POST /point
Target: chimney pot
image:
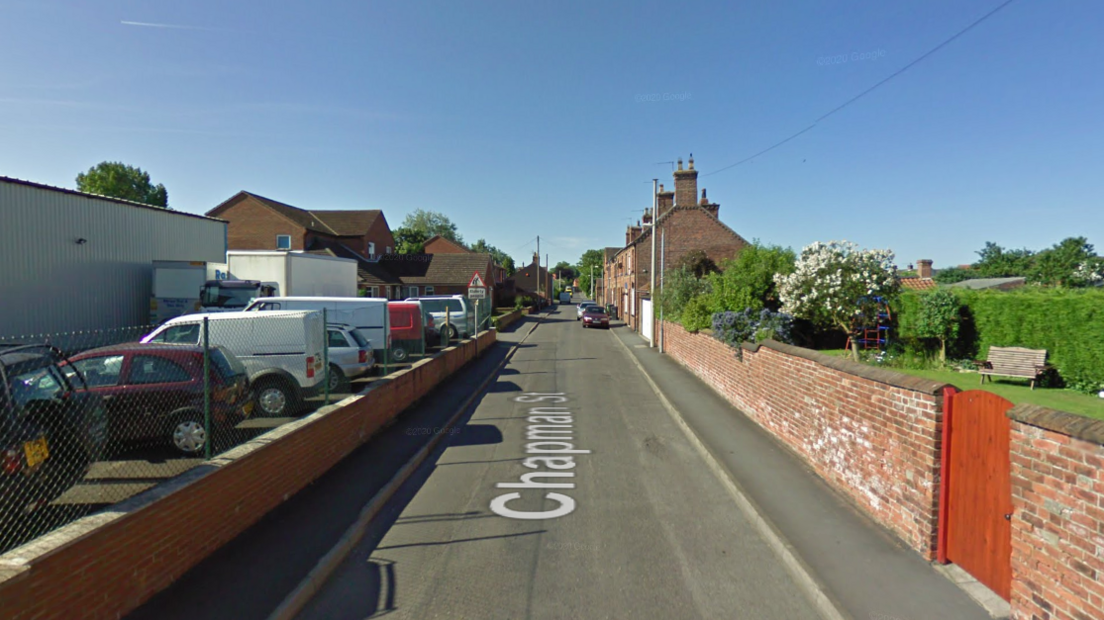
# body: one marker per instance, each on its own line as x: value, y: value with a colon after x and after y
x: 691, y: 161
x: 924, y: 268
x: 680, y: 163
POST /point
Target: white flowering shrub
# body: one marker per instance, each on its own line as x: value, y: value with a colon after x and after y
x: 831, y: 280
x: 1090, y: 273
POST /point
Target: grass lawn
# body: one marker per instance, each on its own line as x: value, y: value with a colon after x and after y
x: 1016, y: 391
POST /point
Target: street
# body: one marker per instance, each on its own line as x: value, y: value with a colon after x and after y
x: 633, y: 523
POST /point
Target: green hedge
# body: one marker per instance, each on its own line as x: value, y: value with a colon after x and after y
x: 1069, y: 324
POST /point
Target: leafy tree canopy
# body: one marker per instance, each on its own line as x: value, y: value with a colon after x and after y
x: 432, y: 223
x: 481, y: 246
x: 997, y: 262
x: 409, y: 240
x: 119, y: 180
x: 595, y: 258
x: 698, y: 262
x: 748, y: 280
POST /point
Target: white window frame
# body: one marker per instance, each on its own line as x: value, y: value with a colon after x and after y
x: 278, y: 237
x: 388, y: 250
x: 371, y: 249
x: 373, y: 291
x: 411, y: 291
x: 428, y: 290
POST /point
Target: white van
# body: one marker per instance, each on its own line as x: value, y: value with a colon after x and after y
x: 368, y: 314
x: 281, y: 351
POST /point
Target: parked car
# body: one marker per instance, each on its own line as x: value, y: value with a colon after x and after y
x: 582, y: 308
x: 155, y: 393
x: 281, y: 351
x: 460, y: 313
x: 368, y: 314
x: 407, y: 331
x: 595, y: 316
x: 51, y: 429
x: 350, y: 355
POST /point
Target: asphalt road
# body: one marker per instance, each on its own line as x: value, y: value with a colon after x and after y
x: 638, y: 528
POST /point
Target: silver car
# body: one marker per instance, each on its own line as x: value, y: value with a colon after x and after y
x: 350, y: 354
x: 582, y: 308
x: 460, y: 313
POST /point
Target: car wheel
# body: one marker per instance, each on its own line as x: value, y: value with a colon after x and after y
x: 399, y: 354
x: 337, y: 379
x: 452, y: 332
x: 274, y: 399
x: 188, y: 434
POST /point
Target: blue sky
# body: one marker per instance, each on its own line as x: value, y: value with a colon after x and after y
x: 519, y: 119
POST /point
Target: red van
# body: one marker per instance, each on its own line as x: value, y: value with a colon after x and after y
x: 406, y: 329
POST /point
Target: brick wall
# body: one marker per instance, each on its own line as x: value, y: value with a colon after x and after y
x: 106, y: 565
x: 253, y: 226
x: 871, y: 433
x: 1058, y: 515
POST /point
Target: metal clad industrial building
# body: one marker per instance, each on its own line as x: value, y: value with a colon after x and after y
x: 76, y: 262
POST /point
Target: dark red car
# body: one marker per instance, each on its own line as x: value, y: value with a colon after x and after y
x: 154, y: 392
x: 595, y: 316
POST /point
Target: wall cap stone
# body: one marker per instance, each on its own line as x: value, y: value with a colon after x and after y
x: 1076, y: 426
x: 879, y: 375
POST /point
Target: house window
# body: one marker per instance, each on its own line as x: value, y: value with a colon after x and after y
x: 373, y: 291
x: 388, y: 249
x: 412, y: 291
x: 429, y: 290
x: 283, y: 242
x: 371, y: 249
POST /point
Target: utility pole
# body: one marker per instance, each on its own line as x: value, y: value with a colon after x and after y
x: 548, y: 275
x: 592, y: 282
x: 538, y: 278
x: 652, y: 288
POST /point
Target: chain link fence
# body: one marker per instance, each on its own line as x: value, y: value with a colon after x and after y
x: 89, y: 419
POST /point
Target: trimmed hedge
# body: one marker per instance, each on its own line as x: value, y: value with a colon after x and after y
x: 1069, y: 324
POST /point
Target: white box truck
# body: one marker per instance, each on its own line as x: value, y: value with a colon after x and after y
x: 296, y: 273
x: 177, y: 285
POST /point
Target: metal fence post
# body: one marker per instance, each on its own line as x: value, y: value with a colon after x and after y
x: 207, y: 388
x: 326, y: 352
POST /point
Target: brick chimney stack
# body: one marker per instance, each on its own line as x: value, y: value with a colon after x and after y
x: 712, y: 207
x: 647, y: 216
x: 686, y: 184
x: 924, y: 268
x: 665, y: 202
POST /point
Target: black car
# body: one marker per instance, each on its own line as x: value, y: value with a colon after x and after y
x: 51, y: 429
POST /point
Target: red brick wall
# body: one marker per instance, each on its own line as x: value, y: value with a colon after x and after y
x: 871, y: 433
x: 104, y: 566
x: 380, y: 234
x: 1058, y: 515
x: 253, y: 226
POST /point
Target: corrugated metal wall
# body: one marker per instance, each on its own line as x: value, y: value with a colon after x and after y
x: 49, y: 283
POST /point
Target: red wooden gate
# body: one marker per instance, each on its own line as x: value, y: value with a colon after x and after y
x: 975, y: 530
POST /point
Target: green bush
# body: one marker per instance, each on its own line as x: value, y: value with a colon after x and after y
x: 1068, y: 323
x: 697, y: 315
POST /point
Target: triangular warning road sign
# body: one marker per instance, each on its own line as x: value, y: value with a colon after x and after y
x: 476, y: 281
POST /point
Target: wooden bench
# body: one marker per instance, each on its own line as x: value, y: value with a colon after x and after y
x: 1013, y: 362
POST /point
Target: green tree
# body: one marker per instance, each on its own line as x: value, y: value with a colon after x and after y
x: 748, y: 280
x: 997, y: 262
x: 564, y: 271
x: 938, y: 317
x: 698, y: 262
x: 118, y: 180
x: 590, y: 258
x: 409, y: 240
x: 1059, y: 265
x: 682, y: 297
x: 482, y: 247
x: 432, y: 223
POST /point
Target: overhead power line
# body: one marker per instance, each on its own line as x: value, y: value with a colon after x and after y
x: 871, y: 89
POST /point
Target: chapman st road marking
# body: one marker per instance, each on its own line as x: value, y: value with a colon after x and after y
x: 550, y: 436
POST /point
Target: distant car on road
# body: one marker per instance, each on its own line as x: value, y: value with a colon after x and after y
x: 595, y: 316
x: 51, y: 429
x: 582, y: 308
x: 154, y: 392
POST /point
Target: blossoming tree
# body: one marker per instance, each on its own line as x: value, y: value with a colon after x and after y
x: 831, y: 281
